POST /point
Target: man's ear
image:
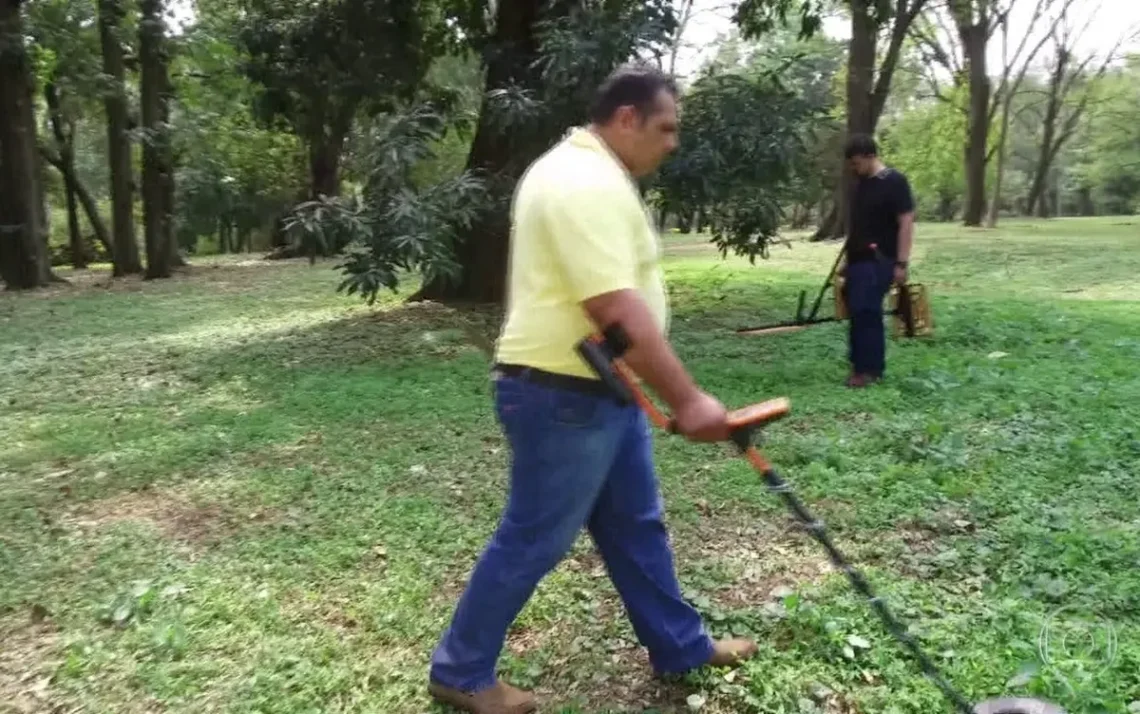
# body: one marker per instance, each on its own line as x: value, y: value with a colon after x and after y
x: 627, y: 117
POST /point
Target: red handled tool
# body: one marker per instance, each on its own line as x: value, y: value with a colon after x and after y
x: 604, y: 355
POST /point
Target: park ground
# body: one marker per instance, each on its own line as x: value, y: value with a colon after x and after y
x: 240, y: 491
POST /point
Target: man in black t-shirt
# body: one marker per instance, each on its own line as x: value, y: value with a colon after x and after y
x: 879, y: 236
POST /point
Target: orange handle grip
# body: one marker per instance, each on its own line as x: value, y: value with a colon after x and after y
x: 754, y: 415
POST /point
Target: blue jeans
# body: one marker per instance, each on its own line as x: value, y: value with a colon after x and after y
x: 577, y: 460
x: 867, y: 282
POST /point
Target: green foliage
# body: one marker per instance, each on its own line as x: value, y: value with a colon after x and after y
x: 318, y: 66
x: 926, y: 144
x: 398, y: 226
x: 760, y: 17
x: 233, y: 174
x: 1106, y: 157
x: 581, y: 48
x: 66, y: 51
x: 744, y: 145
x: 410, y: 223
x: 578, y: 47
x: 316, y: 61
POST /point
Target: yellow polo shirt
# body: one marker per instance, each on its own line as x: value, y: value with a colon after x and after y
x: 579, y: 228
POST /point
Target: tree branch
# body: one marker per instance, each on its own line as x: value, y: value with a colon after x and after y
x: 904, y: 19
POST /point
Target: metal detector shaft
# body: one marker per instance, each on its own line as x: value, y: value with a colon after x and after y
x: 603, y: 354
x: 818, y: 531
x: 828, y: 281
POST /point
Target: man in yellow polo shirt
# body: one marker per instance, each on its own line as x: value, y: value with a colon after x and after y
x: 584, y: 253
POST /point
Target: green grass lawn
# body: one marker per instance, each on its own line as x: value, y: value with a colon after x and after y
x: 240, y: 491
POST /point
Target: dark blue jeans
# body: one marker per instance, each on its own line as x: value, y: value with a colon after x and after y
x: 577, y: 461
x: 866, y: 283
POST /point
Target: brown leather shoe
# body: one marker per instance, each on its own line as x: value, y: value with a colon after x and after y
x: 858, y: 381
x: 502, y: 698
x: 727, y: 653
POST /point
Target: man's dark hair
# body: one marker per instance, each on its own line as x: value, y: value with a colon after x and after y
x: 637, y: 85
x: 860, y: 145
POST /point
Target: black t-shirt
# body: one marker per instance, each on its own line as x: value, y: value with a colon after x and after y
x: 876, y: 205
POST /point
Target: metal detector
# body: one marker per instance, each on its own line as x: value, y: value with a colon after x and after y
x: 603, y: 353
x: 910, y: 309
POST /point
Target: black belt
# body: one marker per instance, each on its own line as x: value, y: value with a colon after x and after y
x: 568, y: 382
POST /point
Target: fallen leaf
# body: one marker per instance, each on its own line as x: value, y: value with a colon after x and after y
x: 997, y: 355
x: 857, y: 641
x: 696, y: 701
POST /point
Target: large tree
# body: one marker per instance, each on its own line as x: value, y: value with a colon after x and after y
x: 868, y: 81
x: 955, y: 38
x: 869, y: 77
x: 125, y: 257
x: 23, y: 249
x: 157, y: 162
x: 975, y: 21
x: 543, y: 60
x: 1069, y: 95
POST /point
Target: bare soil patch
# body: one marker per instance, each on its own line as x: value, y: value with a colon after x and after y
x: 27, y: 661
x: 176, y: 515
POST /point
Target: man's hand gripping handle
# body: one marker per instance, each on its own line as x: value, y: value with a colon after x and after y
x: 603, y: 352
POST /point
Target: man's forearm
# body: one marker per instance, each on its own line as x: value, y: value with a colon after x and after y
x: 650, y: 354
x: 906, y: 239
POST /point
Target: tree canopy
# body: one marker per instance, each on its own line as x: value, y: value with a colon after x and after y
x: 392, y: 132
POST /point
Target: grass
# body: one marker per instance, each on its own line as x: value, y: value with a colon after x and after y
x: 239, y: 491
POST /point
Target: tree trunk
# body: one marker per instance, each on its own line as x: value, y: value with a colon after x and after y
x: 324, y: 167
x: 78, y: 247
x: 995, y: 202
x: 483, y: 250
x: 945, y: 207
x: 326, y: 145
x: 156, y: 145
x: 22, y: 250
x: 866, y: 94
x: 125, y: 256
x: 1049, y: 131
x: 974, y: 41
x: 167, y: 157
x: 685, y: 222
x: 65, y: 145
x: 860, y: 86
x: 44, y: 251
x: 90, y: 209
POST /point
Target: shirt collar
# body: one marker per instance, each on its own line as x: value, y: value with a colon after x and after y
x: 583, y: 138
